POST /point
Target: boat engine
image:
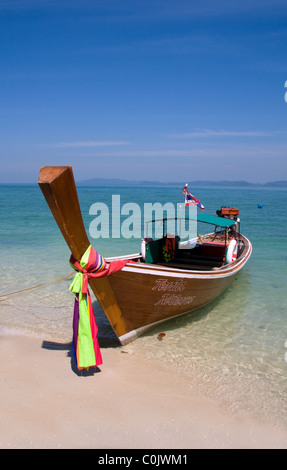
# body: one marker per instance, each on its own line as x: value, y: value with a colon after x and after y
x: 228, y: 213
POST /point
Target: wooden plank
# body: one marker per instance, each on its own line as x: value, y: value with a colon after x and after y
x: 59, y: 189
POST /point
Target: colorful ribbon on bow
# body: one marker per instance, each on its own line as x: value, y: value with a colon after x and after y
x: 85, y: 343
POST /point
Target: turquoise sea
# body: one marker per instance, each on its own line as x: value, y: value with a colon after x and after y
x: 234, y: 349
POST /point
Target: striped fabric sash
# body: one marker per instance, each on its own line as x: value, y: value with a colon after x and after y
x: 86, y: 349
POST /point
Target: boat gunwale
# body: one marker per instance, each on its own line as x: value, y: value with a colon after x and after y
x: 156, y: 269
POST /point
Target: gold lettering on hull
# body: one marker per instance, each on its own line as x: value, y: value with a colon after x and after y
x: 169, y: 287
x: 175, y: 300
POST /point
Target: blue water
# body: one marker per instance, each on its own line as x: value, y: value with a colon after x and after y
x: 233, y: 349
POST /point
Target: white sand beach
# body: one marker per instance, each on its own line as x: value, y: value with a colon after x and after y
x: 130, y: 403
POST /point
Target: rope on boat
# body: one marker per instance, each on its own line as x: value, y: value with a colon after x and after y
x: 38, y: 286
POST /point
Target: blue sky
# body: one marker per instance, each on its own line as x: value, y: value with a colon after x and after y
x: 160, y: 90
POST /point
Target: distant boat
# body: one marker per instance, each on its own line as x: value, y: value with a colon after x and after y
x: 152, y: 287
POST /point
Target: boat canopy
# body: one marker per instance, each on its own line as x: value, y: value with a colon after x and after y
x: 220, y: 222
x: 215, y: 220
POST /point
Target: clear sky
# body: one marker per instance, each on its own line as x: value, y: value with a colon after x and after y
x: 166, y: 90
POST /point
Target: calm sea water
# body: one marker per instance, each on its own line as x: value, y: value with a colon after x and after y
x: 234, y: 348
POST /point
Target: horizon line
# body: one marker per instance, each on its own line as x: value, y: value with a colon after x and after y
x: 122, y: 180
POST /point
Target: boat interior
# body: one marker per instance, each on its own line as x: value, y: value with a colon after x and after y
x: 206, y: 251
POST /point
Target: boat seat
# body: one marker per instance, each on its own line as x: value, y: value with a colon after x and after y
x: 195, y: 266
x: 212, y: 249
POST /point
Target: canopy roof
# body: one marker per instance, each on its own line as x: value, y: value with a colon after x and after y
x: 215, y: 220
x: 205, y: 218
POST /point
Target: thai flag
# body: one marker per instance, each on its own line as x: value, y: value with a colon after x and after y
x: 191, y: 200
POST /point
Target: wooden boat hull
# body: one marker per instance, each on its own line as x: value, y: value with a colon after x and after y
x: 147, y: 294
x: 140, y: 295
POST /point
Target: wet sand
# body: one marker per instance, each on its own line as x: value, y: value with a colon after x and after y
x: 130, y: 403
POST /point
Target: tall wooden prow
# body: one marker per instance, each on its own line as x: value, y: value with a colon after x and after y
x: 58, y: 186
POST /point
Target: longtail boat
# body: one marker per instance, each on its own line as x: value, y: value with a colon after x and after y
x: 167, y: 278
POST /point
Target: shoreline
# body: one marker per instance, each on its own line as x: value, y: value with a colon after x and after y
x: 130, y: 403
